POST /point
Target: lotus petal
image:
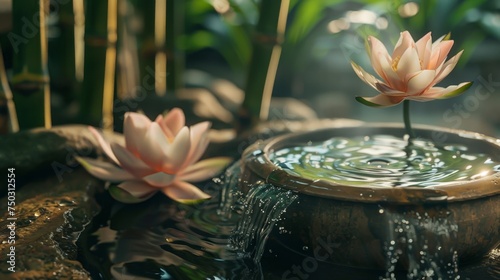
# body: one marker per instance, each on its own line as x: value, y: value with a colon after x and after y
x: 440, y: 39
x: 159, y: 179
x: 175, y: 120
x: 160, y: 121
x: 391, y: 77
x: 385, y: 89
x: 365, y: 76
x: 404, y: 43
x: 419, y: 83
x: 184, y: 192
x: 172, y: 123
x: 409, y: 63
x: 130, y: 162
x: 424, y: 48
x: 154, y: 148
x: 134, y: 128
x: 104, y: 145
x: 199, y: 142
x: 131, y: 192
x: 204, y: 169
x: 380, y: 100
x: 378, y: 53
x: 178, y: 151
x: 440, y: 54
x: 104, y: 170
x: 447, y: 67
x: 442, y: 93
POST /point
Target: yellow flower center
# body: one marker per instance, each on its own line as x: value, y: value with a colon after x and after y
x: 395, y: 62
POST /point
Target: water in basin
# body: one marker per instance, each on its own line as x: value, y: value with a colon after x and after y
x: 384, y: 161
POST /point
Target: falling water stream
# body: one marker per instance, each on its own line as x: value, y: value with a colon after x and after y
x: 425, y: 258
x: 225, y: 237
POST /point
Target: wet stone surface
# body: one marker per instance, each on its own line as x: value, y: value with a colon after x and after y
x: 54, y: 200
x: 47, y: 225
x: 40, y: 152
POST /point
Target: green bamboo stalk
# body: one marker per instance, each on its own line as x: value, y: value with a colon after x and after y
x: 127, y: 69
x: 79, y: 31
x: 62, y: 51
x: 99, y: 65
x: 270, y: 32
x: 175, y: 56
x: 30, y: 78
x: 162, y: 25
x: 8, y: 117
x: 146, y: 45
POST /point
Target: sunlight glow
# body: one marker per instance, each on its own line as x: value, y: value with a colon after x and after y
x: 381, y: 23
x: 357, y: 17
x: 408, y: 10
x: 361, y: 16
x: 335, y: 26
x: 221, y: 6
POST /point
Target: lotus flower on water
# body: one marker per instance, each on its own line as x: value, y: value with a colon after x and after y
x: 411, y: 72
x: 157, y: 156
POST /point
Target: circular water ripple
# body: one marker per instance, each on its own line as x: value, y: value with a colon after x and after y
x: 384, y: 161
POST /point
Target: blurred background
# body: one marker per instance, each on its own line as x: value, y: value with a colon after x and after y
x: 89, y: 61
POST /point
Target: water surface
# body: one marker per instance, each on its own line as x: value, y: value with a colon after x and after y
x: 384, y: 161
x: 226, y: 238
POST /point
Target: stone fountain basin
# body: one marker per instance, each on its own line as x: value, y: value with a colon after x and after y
x: 355, y: 226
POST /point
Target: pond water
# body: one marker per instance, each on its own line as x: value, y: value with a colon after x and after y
x: 384, y: 161
x: 227, y: 237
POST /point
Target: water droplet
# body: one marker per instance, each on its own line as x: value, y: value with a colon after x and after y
x: 381, y: 211
x: 66, y: 202
x: 379, y: 162
x: 217, y: 180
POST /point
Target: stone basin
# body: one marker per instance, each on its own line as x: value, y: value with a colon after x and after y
x: 373, y: 227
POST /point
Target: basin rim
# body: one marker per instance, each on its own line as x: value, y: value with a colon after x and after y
x: 256, y: 159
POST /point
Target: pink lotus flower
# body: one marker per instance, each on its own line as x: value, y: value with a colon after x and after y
x: 157, y: 156
x: 410, y: 72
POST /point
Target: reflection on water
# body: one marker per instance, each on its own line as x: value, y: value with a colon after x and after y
x: 222, y: 238
x: 225, y: 237
x: 384, y: 161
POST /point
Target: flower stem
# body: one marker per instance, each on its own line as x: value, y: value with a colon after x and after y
x: 406, y: 118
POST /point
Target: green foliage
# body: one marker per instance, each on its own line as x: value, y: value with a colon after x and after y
x: 307, y: 15
x: 231, y: 32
